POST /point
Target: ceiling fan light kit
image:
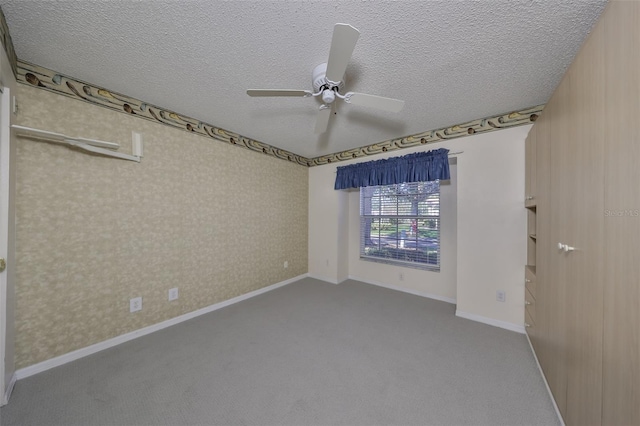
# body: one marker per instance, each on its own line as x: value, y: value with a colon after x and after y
x: 328, y: 81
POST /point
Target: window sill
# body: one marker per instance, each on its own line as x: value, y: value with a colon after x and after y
x: 414, y: 265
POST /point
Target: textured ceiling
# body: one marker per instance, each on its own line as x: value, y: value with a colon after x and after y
x: 451, y: 61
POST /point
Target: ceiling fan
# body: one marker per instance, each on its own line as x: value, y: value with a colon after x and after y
x: 328, y: 81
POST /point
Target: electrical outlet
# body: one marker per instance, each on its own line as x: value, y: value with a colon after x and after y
x: 135, y: 304
x: 501, y: 296
x: 173, y: 294
x: 401, y: 276
x: 327, y: 262
x: 286, y: 264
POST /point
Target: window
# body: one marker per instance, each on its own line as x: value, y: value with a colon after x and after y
x: 400, y: 224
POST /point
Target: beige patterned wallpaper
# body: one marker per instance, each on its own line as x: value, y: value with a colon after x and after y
x: 93, y: 232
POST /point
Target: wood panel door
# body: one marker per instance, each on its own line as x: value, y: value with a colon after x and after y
x: 7, y: 229
x: 555, y: 276
x: 621, y: 366
x: 588, y: 298
x: 582, y: 175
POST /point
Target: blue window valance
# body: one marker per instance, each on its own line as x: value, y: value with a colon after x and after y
x: 418, y: 167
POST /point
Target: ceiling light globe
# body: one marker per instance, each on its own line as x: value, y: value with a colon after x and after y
x: 328, y: 96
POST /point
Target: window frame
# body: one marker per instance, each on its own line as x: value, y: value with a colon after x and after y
x: 424, y: 264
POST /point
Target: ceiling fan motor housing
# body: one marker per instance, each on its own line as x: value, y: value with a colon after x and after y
x: 319, y: 80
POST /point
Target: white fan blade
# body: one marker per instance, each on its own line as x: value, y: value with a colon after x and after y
x: 343, y: 42
x: 322, y: 121
x: 268, y: 92
x: 373, y: 101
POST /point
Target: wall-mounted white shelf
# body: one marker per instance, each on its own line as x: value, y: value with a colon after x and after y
x: 91, y: 145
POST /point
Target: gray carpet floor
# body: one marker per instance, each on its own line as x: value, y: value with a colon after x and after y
x: 309, y: 353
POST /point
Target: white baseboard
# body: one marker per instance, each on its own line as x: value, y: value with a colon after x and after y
x: 555, y: 406
x: 89, y: 350
x: 404, y: 290
x: 494, y: 322
x: 7, y: 394
x: 321, y: 278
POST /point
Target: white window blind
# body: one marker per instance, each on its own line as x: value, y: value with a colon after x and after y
x: 401, y: 224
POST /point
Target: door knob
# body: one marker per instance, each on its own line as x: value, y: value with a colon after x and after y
x: 565, y: 247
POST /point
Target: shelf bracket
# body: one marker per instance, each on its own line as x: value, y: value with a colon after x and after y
x: 91, y: 145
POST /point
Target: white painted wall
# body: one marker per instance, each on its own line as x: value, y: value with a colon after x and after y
x: 490, y: 248
x: 344, y: 209
x: 492, y: 227
x: 326, y: 208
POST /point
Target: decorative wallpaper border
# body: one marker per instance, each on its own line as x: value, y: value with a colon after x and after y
x: 44, y: 78
x: 483, y: 125
x: 7, y: 43
x: 52, y: 81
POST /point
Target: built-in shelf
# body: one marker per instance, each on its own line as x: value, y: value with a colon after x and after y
x: 532, y: 268
x: 530, y: 204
